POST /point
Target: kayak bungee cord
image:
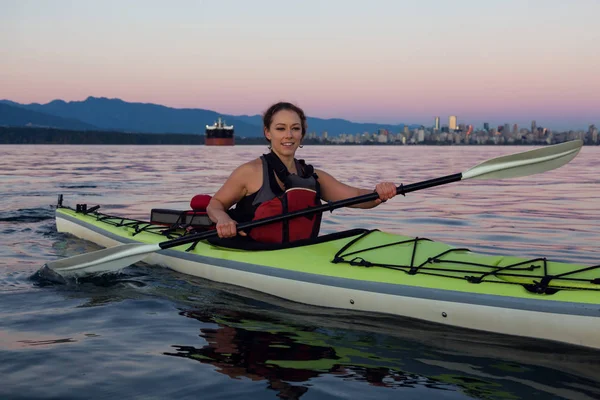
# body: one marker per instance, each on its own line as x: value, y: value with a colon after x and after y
x: 543, y: 283
x: 138, y: 225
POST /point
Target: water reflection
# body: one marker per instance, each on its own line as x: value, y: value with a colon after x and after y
x: 287, y: 358
x: 291, y: 358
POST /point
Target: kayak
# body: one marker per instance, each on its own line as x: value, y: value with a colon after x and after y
x: 376, y: 272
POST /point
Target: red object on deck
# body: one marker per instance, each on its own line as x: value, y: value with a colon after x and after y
x: 200, y: 201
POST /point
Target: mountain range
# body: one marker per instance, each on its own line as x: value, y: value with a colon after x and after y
x: 100, y: 113
x: 16, y: 116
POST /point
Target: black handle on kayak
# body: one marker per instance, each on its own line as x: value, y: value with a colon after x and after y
x: 312, y: 210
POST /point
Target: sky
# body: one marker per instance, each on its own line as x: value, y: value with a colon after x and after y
x: 496, y: 61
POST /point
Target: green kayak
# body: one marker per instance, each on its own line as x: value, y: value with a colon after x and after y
x: 378, y: 272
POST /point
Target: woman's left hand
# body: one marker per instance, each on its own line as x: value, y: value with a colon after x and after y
x: 385, y: 190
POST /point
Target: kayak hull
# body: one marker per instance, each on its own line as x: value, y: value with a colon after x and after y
x: 574, y: 320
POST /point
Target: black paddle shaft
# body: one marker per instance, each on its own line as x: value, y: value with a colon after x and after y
x: 312, y: 210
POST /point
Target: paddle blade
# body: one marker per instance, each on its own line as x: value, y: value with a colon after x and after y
x: 526, y: 163
x: 102, y: 261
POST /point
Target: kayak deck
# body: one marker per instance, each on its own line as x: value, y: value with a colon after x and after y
x: 380, y: 257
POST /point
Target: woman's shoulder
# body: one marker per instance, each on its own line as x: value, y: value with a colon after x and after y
x: 249, y: 167
x: 319, y: 171
x: 254, y: 164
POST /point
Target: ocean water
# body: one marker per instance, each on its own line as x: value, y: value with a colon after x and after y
x: 152, y: 333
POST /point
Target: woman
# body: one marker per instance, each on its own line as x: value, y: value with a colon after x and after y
x: 284, y: 126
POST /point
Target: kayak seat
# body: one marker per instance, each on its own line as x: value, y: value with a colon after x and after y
x: 196, y: 218
x: 178, y: 218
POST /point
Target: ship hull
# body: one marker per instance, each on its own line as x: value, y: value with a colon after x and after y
x: 220, y: 141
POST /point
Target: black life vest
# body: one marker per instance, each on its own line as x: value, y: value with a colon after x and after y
x: 301, y: 191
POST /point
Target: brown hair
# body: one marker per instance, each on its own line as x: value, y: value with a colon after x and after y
x: 275, y: 108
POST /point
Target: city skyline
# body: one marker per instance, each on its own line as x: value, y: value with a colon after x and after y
x: 390, y: 62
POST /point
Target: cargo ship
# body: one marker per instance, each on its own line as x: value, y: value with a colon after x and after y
x: 219, y: 134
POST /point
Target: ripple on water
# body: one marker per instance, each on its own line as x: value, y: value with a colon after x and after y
x: 27, y: 215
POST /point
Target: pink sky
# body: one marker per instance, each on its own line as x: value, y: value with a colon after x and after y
x: 500, y: 61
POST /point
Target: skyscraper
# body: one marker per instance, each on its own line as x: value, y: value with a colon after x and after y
x: 437, y: 124
x: 533, y: 127
x: 452, y: 123
x: 486, y: 126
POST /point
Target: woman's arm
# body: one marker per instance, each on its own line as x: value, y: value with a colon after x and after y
x: 232, y: 191
x: 334, y: 190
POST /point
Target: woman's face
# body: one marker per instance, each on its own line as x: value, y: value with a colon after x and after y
x: 285, y: 132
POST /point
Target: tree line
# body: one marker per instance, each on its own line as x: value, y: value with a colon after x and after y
x: 34, y: 135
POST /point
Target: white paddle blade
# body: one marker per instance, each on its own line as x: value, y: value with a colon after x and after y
x: 102, y: 261
x: 526, y: 163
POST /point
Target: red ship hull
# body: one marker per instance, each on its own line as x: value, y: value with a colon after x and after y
x: 220, y: 141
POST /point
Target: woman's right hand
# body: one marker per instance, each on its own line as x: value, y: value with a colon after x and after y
x: 227, y: 228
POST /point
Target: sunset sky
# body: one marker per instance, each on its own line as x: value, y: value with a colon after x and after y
x: 507, y: 61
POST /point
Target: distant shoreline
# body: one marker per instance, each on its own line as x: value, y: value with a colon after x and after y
x: 52, y: 136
